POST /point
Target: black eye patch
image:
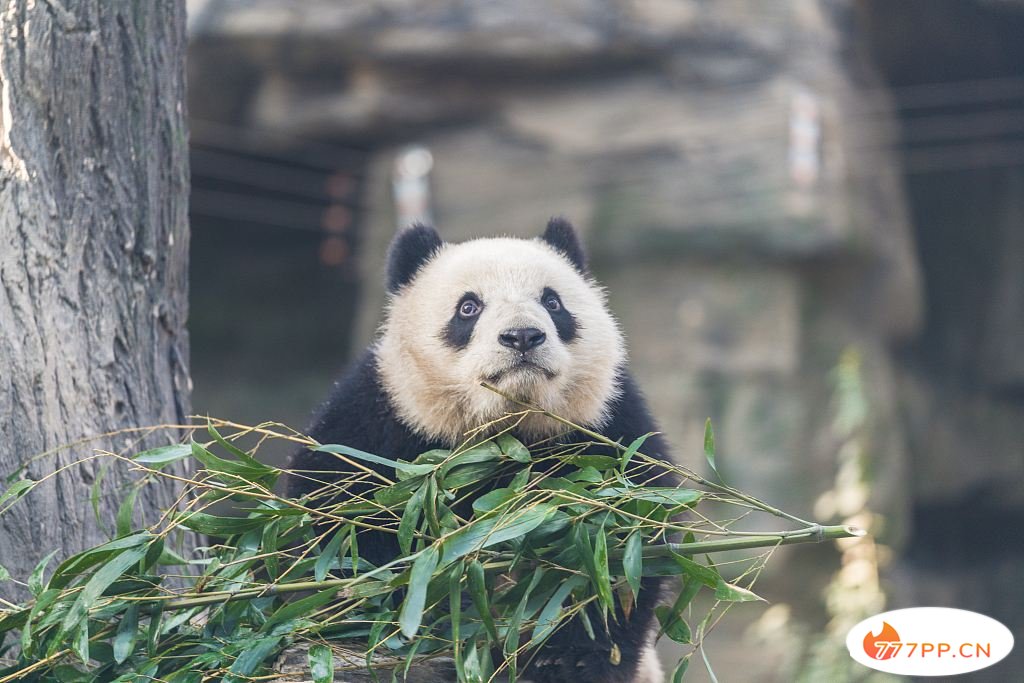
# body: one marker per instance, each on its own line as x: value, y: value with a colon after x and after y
x: 459, y: 329
x: 565, y: 322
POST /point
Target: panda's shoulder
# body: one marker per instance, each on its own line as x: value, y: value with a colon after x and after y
x: 358, y: 413
x: 629, y: 417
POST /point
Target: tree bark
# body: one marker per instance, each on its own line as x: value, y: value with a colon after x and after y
x: 93, y: 254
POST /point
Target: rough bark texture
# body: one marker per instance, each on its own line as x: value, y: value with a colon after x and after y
x: 93, y: 252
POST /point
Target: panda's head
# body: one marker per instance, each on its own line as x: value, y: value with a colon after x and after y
x: 522, y: 315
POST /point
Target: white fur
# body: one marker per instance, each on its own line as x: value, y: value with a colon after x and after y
x: 649, y: 670
x: 436, y: 389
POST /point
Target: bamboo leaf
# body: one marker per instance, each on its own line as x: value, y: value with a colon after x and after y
x: 77, y: 616
x: 513, y: 448
x: 551, y: 614
x: 253, y: 657
x: 728, y: 592
x: 157, y: 458
x: 673, y: 625
x: 35, y: 579
x: 127, y: 632
x: 411, y: 616
x: 321, y: 663
x: 602, y: 578
x: 408, y: 468
x: 455, y: 614
x: 709, y: 445
x: 299, y: 608
x: 123, y: 524
x: 16, y: 490
x: 512, y: 634
x: 478, y: 593
x: 493, y: 530
x: 631, y: 450
x: 681, y: 667
x: 410, y: 519
x: 655, y: 494
x: 330, y: 553
x: 632, y: 562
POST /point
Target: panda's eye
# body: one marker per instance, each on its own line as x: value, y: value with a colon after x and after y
x: 469, y: 308
x: 552, y: 303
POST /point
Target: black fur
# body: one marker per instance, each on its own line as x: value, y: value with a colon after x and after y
x: 562, y: 236
x: 410, y: 249
x: 459, y: 331
x: 564, y: 320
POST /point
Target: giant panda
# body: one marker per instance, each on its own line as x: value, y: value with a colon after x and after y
x: 526, y: 316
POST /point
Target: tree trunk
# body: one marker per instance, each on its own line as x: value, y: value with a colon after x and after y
x: 93, y: 254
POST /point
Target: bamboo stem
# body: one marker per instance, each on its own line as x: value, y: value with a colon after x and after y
x: 815, y: 534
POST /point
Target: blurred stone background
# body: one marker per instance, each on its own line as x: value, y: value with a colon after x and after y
x: 763, y: 186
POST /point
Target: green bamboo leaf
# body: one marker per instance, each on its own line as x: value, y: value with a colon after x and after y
x: 410, y: 519
x: 35, y: 579
x: 467, y: 475
x: 706, y: 575
x: 681, y: 667
x: 411, y: 616
x: 492, y: 499
x: 123, y: 523
x: 493, y: 530
x: 455, y: 614
x: 728, y: 592
x: 602, y: 578
x: 512, y: 634
x: 631, y: 450
x: 513, y: 448
x: 520, y: 481
x: 408, y: 468
x: 672, y: 625
x: 156, y: 613
x: 77, y: 616
x: 127, y: 632
x: 16, y: 490
x: 633, y: 561
x: 330, y: 553
x: 299, y: 608
x: 156, y: 458
x: 4, y: 574
x: 551, y: 614
x: 709, y: 445
x: 253, y: 657
x: 661, y: 495
x: 430, y: 504
x: 235, y: 450
x: 212, y: 525
x: 690, y: 589
x: 481, y: 453
x: 44, y: 600
x: 321, y: 663
x: 241, y: 469
x: 478, y: 593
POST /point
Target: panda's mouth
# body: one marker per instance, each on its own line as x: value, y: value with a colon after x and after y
x: 521, y: 366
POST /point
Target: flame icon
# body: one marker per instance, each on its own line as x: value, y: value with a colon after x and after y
x: 877, y: 647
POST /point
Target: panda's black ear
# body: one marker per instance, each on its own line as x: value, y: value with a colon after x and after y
x: 409, y: 250
x: 562, y: 236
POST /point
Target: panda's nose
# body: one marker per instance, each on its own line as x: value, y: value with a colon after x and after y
x: 522, y: 339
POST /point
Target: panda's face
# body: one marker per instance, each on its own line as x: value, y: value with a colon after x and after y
x: 513, y: 313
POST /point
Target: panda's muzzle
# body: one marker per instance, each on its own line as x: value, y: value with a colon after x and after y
x: 522, y: 339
